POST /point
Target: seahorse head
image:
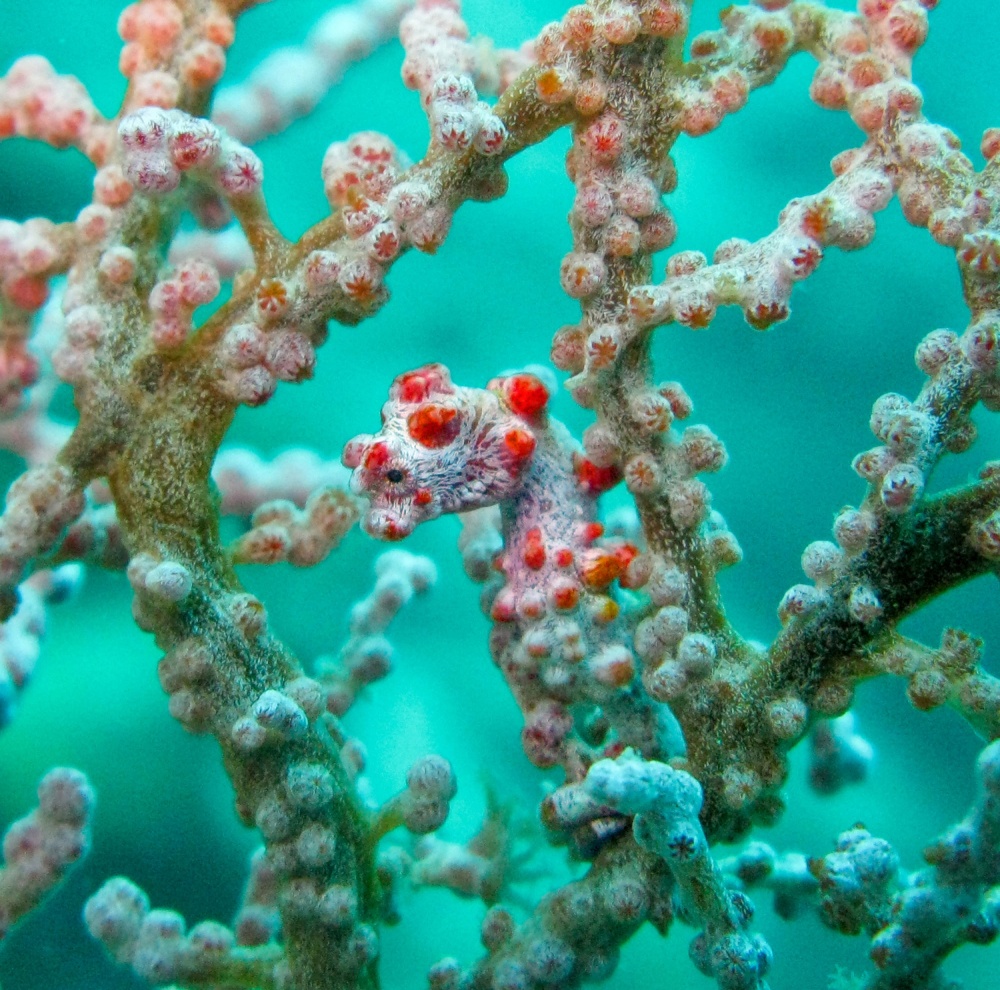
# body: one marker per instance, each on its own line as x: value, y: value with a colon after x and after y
x: 444, y: 448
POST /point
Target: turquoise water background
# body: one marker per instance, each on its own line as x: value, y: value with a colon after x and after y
x: 792, y: 406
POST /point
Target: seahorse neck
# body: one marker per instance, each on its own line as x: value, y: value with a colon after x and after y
x: 549, y: 499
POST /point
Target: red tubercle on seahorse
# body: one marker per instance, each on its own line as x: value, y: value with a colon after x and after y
x: 525, y: 394
x: 599, y: 567
x: 375, y: 456
x: 434, y: 425
x: 520, y: 443
x: 595, y: 480
x: 534, y: 550
x: 421, y: 383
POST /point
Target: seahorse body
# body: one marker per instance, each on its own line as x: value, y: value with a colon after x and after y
x: 558, y: 635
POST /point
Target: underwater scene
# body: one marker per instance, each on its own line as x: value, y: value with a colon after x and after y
x: 735, y: 620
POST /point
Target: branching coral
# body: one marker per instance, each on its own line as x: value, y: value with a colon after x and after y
x: 175, y: 301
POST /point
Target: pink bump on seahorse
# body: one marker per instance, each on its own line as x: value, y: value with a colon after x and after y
x: 558, y: 638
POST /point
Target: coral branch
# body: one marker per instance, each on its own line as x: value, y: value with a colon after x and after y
x: 41, y: 847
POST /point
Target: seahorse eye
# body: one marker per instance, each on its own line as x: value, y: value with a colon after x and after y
x: 394, y: 475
